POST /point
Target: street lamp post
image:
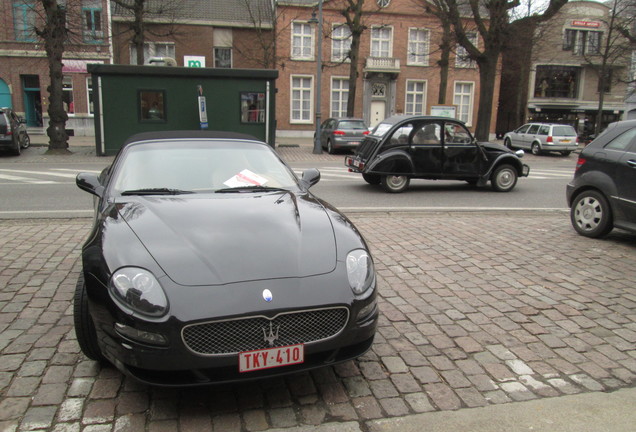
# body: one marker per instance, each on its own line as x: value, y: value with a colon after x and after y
x: 317, y: 145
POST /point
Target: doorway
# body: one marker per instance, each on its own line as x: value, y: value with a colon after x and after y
x: 32, y: 100
x: 378, y: 111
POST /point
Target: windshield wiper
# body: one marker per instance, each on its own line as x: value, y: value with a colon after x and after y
x: 242, y: 189
x: 156, y: 191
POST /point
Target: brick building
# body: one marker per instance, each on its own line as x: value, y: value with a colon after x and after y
x: 24, y: 72
x: 398, y: 71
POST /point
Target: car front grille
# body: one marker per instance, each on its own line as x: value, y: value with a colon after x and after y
x: 252, y: 333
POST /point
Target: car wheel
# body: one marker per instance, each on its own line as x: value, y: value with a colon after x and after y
x: 535, y: 149
x: 504, y: 178
x: 591, y: 215
x: 329, y: 147
x: 373, y: 179
x: 17, y: 149
x: 395, y: 183
x: 84, y: 326
x: 26, y: 141
x: 508, y: 143
x: 566, y: 153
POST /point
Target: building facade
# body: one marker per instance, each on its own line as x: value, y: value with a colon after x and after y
x: 564, y: 78
x: 398, y: 70
x: 24, y: 71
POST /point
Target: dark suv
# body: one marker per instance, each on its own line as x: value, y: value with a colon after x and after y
x: 13, y: 133
x: 602, y: 194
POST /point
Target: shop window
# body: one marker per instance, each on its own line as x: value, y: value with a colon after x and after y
x: 557, y: 82
x: 67, y: 95
x: 252, y: 107
x: 152, y: 108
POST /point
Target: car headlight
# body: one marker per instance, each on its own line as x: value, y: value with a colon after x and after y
x: 139, y: 290
x: 360, y: 270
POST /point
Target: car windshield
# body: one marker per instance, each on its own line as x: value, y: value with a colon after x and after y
x: 563, y: 131
x: 352, y: 124
x: 186, y: 166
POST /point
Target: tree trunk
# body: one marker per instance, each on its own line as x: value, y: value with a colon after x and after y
x: 139, y: 39
x: 353, y: 74
x: 443, y: 62
x: 487, y: 76
x: 54, y: 35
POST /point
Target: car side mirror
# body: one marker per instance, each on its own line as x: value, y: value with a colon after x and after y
x: 520, y: 153
x: 310, y: 177
x: 89, y: 182
x: 22, y: 120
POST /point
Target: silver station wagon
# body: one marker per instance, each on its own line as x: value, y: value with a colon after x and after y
x: 543, y: 137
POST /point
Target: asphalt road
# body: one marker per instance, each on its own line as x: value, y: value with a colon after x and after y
x: 34, y: 185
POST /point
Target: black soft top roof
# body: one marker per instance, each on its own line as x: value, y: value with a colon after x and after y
x: 185, y: 134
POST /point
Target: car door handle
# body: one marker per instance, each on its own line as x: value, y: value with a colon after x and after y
x: 631, y: 163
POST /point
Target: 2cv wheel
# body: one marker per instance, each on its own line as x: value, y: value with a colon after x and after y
x: 395, y: 183
x: 504, y: 178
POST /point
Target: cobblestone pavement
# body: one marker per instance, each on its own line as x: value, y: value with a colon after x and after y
x: 477, y: 309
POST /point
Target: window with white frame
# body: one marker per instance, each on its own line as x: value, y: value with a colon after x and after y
x: 463, y: 99
x: 89, y: 95
x: 301, y: 97
x: 415, y: 98
x: 67, y: 94
x: 340, y: 42
x: 418, y: 47
x: 461, y: 58
x: 222, y: 57
x: 302, y: 47
x: 153, y: 49
x: 339, y: 96
x: 381, y: 41
x: 582, y: 41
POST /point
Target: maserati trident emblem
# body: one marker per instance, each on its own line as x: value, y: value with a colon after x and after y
x: 267, y: 295
x: 270, y: 337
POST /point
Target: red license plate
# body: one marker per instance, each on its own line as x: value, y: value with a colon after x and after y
x: 271, y: 357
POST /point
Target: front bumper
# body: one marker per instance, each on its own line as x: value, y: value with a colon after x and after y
x: 174, y: 364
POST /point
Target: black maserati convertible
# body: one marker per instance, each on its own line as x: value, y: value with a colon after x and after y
x: 209, y: 261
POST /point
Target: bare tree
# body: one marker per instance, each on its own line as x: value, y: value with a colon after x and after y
x: 266, y: 30
x: 141, y: 12
x: 611, y: 60
x: 492, y: 21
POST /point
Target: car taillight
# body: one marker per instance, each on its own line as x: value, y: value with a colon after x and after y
x: 549, y: 139
x: 579, y: 163
x: 338, y: 132
x: 365, y: 133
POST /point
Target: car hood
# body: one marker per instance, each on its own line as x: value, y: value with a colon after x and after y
x: 228, y: 238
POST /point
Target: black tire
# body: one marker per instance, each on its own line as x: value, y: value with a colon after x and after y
x: 566, y: 152
x: 535, y: 149
x: 17, y: 149
x: 504, y: 178
x: 84, y: 326
x: 395, y: 183
x: 591, y: 215
x: 508, y: 143
x: 330, y: 149
x: 372, y: 179
x: 26, y: 141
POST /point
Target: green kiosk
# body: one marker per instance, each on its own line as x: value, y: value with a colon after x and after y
x: 131, y: 99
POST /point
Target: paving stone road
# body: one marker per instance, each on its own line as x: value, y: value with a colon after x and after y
x: 477, y: 309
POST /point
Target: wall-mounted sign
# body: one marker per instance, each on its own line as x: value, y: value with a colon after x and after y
x: 587, y: 24
x: 444, y: 111
x: 194, y: 61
